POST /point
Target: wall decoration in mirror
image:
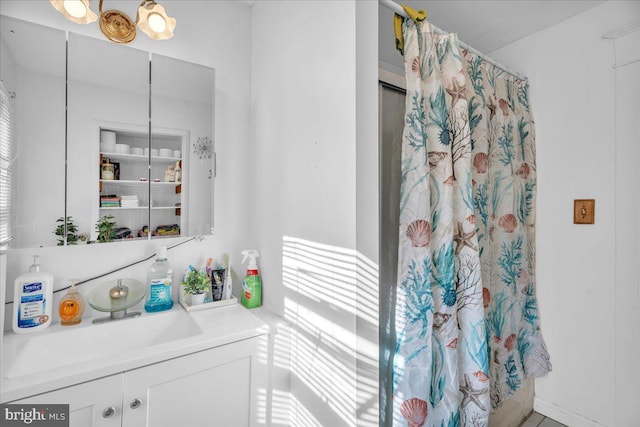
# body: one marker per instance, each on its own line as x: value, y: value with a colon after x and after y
x: 203, y: 148
x: 131, y: 117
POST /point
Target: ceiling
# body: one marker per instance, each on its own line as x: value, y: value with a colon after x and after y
x: 483, y: 24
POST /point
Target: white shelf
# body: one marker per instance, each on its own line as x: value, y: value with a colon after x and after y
x: 153, y: 208
x: 138, y: 158
x: 118, y: 208
x: 165, y: 183
x: 124, y: 182
x: 133, y: 182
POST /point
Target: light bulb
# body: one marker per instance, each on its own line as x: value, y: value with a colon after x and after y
x: 154, y: 22
x: 157, y: 22
x: 75, y: 8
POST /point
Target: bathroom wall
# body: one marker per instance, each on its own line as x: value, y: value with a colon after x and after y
x: 203, y: 37
x: 315, y: 198
x: 587, y: 331
x: 303, y: 107
x: 367, y: 216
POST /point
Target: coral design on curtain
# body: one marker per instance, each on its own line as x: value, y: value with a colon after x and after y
x: 467, y: 238
x: 504, y: 177
x: 441, y: 368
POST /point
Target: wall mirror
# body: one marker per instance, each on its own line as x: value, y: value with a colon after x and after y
x: 32, y: 70
x: 139, y: 150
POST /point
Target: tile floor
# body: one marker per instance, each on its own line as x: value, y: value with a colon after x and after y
x: 539, y: 420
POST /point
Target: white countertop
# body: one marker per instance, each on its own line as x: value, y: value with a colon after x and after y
x: 219, y: 326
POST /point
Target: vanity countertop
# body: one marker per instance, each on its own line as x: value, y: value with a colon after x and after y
x: 61, y: 356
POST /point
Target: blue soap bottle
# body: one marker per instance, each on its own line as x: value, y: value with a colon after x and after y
x: 159, y: 280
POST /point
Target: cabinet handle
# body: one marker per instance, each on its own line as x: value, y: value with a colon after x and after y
x: 135, y: 403
x: 107, y: 412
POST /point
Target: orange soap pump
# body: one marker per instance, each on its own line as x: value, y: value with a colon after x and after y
x: 71, y: 307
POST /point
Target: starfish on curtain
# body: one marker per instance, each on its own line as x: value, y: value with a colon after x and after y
x: 464, y: 239
x: 457, y: 93
x: 471, y: 394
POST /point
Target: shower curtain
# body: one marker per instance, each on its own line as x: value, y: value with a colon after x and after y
x: 441, y: 361
x: 504, y: 184
x: 466, y: 216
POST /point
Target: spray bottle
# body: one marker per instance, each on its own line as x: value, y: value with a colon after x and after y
x: 251, y: 284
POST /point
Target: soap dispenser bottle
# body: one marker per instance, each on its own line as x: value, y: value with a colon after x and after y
x: 71, y: 307
x: 159, y: 280
x: 32, y: 300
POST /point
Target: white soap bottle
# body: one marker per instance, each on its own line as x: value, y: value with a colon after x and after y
x: 32, y: 300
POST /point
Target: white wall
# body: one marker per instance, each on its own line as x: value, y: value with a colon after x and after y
x: 627, y: 47
x: 367, y: 216
x: 303, y: 106
x: 319, y: 265
x: 202, y: 36
x: 572, y: 81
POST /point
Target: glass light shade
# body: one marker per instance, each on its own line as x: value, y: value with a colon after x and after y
x: 77, y: 11
x: 154, y: 22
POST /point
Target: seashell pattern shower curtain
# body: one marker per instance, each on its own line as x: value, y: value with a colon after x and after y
x: 441, y: 370
x: 466, y: 317
x: 504, y: 190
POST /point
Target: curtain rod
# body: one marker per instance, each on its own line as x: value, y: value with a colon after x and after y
x: 395, y: 7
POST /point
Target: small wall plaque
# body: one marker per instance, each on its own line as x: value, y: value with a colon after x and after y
x: 584, y: 211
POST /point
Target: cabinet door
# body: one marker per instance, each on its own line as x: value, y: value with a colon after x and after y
x: 209, y: 388
x: 95, y: 403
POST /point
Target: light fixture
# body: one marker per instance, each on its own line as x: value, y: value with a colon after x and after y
x: 151, y: 18
x: 75, y: 10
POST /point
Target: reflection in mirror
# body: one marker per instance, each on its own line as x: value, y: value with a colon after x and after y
x: 32, y: 193
x: 108, y: 120
x: 130, y: 172
x: 182, y: 133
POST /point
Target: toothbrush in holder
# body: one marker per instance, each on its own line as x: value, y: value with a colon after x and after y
x: 227, y: 280
x: 208, y: 267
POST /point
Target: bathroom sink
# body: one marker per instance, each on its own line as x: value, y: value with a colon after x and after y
x: 60, y: 346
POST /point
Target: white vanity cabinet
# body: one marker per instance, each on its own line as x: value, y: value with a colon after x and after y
x: 214, y: 387
x: 92, y: 404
